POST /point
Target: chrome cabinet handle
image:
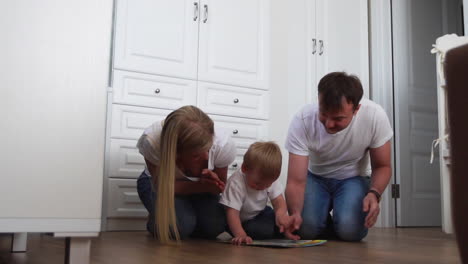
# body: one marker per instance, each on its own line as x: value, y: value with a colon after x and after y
x: 206, y: 13
x: 320, y: 47
x: 157, y: 91
x: 236, y: 101
x: 314, y: 46
x: 195, y: 11
x: 235, y: 131
x: 234, y: 165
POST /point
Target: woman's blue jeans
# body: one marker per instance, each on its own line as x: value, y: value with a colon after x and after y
x: 198, y: 215
x: 345, y: 198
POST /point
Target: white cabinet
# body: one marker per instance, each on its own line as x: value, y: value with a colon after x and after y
x: 234, y: 42
x: 225, y: 41
x: 157, y: 36
x: 337, y: 40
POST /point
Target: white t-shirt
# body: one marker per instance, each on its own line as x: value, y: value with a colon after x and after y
x: 346, y: 153
x: 249, y: 202
x: 221, y: 154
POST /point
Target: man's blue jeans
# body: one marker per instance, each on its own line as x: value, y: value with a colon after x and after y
x: 198, y: 215
x: 344, y: 197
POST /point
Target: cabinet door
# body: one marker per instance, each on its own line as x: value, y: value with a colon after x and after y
x: 312, y: 51
x: 343, y: 29
x: 157, y: 36
x: 234, y: 42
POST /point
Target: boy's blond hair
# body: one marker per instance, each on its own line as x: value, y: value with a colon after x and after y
x: 266, y: 157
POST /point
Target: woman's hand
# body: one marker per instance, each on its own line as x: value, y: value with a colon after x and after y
x: 241, y: 239
x: 210, y: 177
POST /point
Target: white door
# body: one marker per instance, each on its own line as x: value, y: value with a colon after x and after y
x: 416, y: 25
x: 234, y: 41
x: 157, y: 36
x: 342, y: 38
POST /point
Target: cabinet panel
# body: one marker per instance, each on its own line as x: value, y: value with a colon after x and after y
x: 125, y: 160
x: 244, y: 131
x: 153, y: 91
x: 344, y: 30
x: 129, y: 122
x: 233, y: 101
x: 123, y: 200
x: 157, y: 36
x: 234, y: 42
x: 337, y: 40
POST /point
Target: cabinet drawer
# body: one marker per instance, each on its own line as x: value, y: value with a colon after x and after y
x: 128, y: 122
x: 125, y: 160
x: 153, y: 91
x: 123, y: 200
x: 244, y: 131
x: 232, y: 101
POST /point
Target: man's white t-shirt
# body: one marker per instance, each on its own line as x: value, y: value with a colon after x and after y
x: 221, y: 154
x: 249, y: 202
x: 346, y: 153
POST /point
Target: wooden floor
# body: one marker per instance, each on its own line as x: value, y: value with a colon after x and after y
x: 407, y: 245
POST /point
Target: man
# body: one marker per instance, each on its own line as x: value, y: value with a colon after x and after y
x: 329, y: 148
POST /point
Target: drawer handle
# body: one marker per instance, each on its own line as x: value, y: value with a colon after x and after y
x: 236, y: 101
x: 235, y: 131
x: 157, y: 91
x: 234, y: 165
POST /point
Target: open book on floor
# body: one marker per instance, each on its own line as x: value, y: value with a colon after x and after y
x: 282, y: 243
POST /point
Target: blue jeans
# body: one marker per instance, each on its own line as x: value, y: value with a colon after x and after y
x: 262, y: 226
x: 344, y: 197
x: 198, y: 215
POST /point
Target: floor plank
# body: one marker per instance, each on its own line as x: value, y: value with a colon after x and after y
x: 382, y: 245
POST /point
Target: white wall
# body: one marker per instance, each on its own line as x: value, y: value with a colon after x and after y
x: 288, y: 66
x: 465, y: 15
x: 53, y: 70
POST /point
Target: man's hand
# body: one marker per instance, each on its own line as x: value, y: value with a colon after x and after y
x: 295, y: 224
x: 241, y: 239
x: 370, y: 205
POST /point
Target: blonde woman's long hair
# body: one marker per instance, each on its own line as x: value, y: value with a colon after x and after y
x: 185, y: 129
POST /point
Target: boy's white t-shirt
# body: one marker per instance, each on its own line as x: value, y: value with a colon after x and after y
x: 346, y: 153
x: 249, y: 202
x: 221, y: 154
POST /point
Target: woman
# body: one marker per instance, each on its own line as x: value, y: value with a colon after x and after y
x: 186, y: 170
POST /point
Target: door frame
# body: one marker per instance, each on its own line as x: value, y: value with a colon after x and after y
x: 381, y: 80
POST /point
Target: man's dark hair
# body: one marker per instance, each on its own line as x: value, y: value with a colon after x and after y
x: 336, y: 85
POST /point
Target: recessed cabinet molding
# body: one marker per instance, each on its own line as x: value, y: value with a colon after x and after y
x: 125, y: 160
x: 123, y: 199
x: 128, y: 122
x: 157, y: 37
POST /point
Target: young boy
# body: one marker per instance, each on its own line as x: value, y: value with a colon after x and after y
x: 247, y: 192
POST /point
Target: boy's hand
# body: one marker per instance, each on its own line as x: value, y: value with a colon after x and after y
x: 238, y: 240
x: 283, y: 222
